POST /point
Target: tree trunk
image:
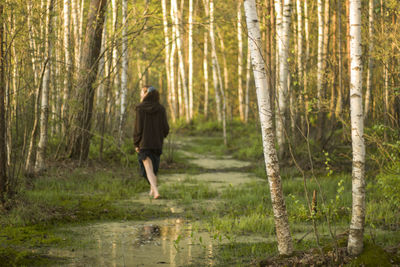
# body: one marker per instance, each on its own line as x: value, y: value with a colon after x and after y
x: 181, y: 59
x: 240, y: 61
x: 79, y: 142
x: 172, y: 66
x: 307, y: 57
x: 320, y: 71
x: 214, y: 61
x: 167, y: 55
x: 300, y: 54
x: 190, y: 60
x: 285, y: 245
x: 44, y: 109
x: 3, y: 155
x: 68, y: 64
x: 205, y: 68
x: 217, y: 73
x: 283, y: 76
x: 124, y: 69
x: 77, y: 38
x: 339, y: 102
x: 248, y: 77
x: 370, y: 58
x: 355, y: 243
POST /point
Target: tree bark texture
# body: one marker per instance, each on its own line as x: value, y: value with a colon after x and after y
x: 355, y: 242
x: 80, y: 137
x: 285, y: 245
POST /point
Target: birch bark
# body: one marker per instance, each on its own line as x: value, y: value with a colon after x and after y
x: 44, y: 109
x: 240, y: 61
x: 285, y: 245
x: 181, y: 60
x: 190, y: 59
x: 214, y: 61
x: 355, y: 242
x: 370, y: 58
x: 320, y: 73
x: 124, y: 69
x: 68, y: 63
x: 205, y: 69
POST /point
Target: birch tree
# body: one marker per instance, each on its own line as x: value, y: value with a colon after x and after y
x: 124, y: 69
x: 217, y: 74
x: 320, y: 72
x: 44, y: 109
x: 68, y: 62
x: 370, y: 58
x: 3, y: 154
x: 285, y: 245
x: 205, y: 70
x: 167, y: 55
x: 355, y: 242
x: 79, y: 140
x: 180, y: 58
x: 240, y: 61
x: 190, y: 60
x: 283, y: 48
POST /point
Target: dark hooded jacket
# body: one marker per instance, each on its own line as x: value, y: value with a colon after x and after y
x: 151, y: 125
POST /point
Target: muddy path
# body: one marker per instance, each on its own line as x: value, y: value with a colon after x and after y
x: 173, y: 241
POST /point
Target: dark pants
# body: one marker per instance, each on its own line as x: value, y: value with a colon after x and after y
x: 154, y: 155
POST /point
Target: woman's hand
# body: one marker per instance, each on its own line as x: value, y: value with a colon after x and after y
x: 137, y: 149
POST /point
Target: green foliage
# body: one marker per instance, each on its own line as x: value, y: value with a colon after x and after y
x: 372, y: 255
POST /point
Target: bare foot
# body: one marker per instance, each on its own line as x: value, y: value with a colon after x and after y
x: 157, y: 196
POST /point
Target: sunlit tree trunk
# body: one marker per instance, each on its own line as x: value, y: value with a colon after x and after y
x: 167, y: 55
x: 248, y: 77
x: 79, y: 142
x: 370, y: 58
x: 181, y: 59
x: 76, y: 23
x: 320, y: 71
x: 240, y: 61
x: 217, y: 74
x: 307, y: 56
x: 339, y: 99
x: 115, y: 54
x: 283, y: 75
x: 355, y: 242
x: 300, y: 51
x: 226, y: 74
x: 124, y: 69
x: 3, y: 154
x: 44, y: 109
x: 172, y: 65
x: 190, y: 60
x: 205, y: 68
x: 285, y: 245
x: 68, y: 63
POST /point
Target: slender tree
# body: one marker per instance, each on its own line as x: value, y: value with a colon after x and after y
x: 79, y: 141
x: 285, y: 245
x: 3, y: 155
x: 124, y: 69
x: 190, y: 60
x: 44, y: 109
x: 355, y: 242
x: 68, y: 62
x: 240, y: 61
x: 370, y: 57
x: 205, y: 69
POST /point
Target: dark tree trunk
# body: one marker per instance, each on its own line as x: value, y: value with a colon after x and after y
x: 3, y: 155
x: 81, y: 121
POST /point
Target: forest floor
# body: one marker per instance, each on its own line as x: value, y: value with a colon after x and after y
x: 214, y: 211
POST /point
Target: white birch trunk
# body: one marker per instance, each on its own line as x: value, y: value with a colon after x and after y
x: 283, y: 76
x: 172, y: 67
x: 124, y: 69
x: 102, y: 65
x: 339, y: 102
x: 190, y: 60
x: 181, y: 59
x: 370, y: 58
x: 300, y: 43
x: 68, y: 63
x: 285, y: 245
x: 167, y: 55
x: 205, y: 69
x: 307, y: 56
x: 77, y: 37
x: 44, y: 109
x: 240, y: 61
x: 214, y: 61
x: 278, y: 39
x: 320, y: 73
x: 355, y: 242
x: 248, y: 77
x: 115, y: 66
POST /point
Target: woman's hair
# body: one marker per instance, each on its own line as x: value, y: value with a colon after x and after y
x: 152, y: 94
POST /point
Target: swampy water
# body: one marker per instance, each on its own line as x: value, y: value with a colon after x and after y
x: 161, y: 242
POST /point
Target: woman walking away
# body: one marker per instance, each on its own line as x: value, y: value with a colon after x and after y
x: 151, y: 127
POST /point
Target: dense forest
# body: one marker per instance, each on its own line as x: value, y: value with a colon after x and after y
x: 301, y: 85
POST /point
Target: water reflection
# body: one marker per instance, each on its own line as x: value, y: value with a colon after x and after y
x: 158, y: 243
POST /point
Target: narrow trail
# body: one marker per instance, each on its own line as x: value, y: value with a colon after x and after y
x: 161, y: 242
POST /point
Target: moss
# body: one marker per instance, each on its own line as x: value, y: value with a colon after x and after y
x: 372, y: 255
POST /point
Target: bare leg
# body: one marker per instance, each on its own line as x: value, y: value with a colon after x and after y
x: 148, y: 165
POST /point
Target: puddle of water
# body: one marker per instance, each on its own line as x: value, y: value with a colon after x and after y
x: 157, y: 243
x: 211, y: 162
